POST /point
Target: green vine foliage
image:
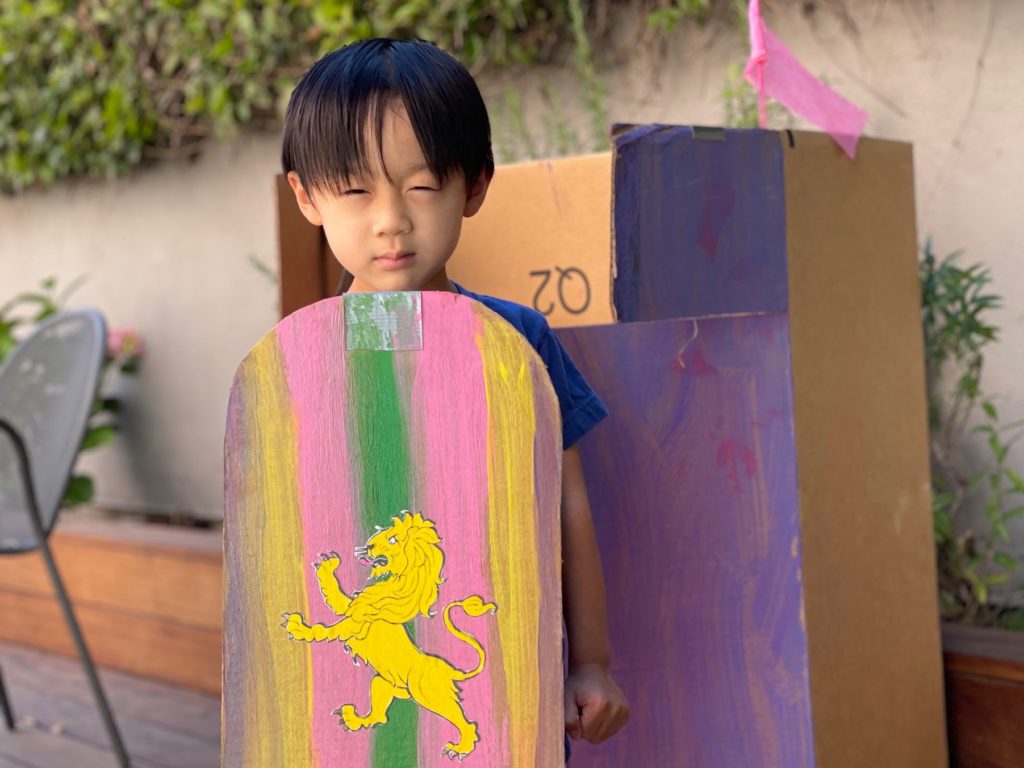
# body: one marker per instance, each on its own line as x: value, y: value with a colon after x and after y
x: 96, y: 87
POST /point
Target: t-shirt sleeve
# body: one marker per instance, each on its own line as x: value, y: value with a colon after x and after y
x: 581, y: 408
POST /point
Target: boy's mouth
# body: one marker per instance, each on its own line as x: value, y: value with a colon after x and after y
x: 395, y: 259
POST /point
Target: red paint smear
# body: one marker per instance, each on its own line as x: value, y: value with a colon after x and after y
x: 772, y: 414
x: 736, y: 459
x: 692, y: 360
x: 719, y: 201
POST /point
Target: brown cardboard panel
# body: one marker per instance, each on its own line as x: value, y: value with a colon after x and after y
x: 332, y: 270
x: 300, y: 253
x: 543, y: 239
x: 859, y: 393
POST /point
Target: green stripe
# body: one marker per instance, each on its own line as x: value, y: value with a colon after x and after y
x: 382, y: 437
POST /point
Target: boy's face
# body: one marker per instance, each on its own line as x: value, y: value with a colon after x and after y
x: 394, y: 235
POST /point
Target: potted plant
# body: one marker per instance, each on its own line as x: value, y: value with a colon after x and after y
x: 980, y: 591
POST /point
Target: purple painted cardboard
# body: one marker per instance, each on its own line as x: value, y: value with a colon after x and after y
x: 692, y: 482
x: 699, y: 224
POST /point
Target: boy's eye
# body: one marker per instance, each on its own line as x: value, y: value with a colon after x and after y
x: 354, y: 192
x: 426, y: 189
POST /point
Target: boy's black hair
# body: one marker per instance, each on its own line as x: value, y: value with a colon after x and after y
x: 325, y: 128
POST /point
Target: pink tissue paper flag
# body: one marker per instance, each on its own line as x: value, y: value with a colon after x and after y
x: 774, y: 71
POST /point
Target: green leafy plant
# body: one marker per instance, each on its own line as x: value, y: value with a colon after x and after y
x: 594, y: 89
x: 668, y: 15
x: 124, y: 350
x: 94, y: 88
x: 976, y: 568
x: 515, y: 140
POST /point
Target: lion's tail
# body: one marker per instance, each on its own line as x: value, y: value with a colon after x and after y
x: 473, y: 606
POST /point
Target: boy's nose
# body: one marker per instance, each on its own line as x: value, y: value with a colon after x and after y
x: 391, y: 219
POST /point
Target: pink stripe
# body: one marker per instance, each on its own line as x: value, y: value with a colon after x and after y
x: 452, y: 453
x: 312, y: 342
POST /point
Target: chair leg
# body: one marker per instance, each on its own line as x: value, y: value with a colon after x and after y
x: 83, y: 653
x: 5, y: 704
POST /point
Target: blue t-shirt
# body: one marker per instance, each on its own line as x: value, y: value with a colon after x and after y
x: 581, y: 408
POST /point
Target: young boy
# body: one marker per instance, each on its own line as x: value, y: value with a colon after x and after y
x: 387, y: 146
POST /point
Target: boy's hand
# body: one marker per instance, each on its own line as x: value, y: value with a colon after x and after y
x: 595, y: 707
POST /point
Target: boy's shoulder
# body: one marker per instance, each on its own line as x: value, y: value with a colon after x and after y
x: 526, y: 320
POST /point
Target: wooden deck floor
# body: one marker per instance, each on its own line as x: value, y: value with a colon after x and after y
x: 59, y: 725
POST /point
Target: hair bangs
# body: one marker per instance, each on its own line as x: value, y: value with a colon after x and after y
x: 327, y: 140
x: 335, y: 118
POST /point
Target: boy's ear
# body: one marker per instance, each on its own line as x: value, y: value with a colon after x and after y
x: 476, y: 193
x: 302, y: 197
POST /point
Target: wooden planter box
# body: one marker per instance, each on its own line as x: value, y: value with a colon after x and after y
x: 148, y: 598
x: 984, y: 696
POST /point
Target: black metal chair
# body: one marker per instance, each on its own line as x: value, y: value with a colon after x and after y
x: 48, y: 386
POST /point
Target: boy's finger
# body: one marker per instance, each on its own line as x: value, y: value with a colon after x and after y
x: 572, y: 716
x: 591, y: 719
x: 609, y: 722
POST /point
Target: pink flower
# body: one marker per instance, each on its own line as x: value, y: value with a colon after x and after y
x: 126, y: 343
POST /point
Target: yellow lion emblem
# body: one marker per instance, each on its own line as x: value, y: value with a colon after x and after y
x: 405, y: 561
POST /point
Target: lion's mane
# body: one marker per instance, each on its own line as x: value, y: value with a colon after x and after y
x: 414, y: 591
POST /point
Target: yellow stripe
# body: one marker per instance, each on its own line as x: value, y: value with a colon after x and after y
x: 510, y: 472
x: 281, y: 736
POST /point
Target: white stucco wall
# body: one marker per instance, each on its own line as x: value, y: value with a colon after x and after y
x: 167, y: 252
x: 168, y: 249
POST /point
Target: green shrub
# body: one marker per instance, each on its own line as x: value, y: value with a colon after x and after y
x: 95, y: 87
x: 976, y: 564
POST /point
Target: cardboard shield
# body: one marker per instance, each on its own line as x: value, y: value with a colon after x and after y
x: 392, y: 543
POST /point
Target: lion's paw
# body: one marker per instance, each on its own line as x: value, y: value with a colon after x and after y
x: 327, y: 564
x: 348, y: 719
x: 452, y: 754
x: 295, y: 626
x: 460, y: 750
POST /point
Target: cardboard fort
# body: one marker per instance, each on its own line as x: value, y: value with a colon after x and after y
x: 761, y: 490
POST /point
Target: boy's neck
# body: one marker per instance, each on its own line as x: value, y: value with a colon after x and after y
x: 438, y: 282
